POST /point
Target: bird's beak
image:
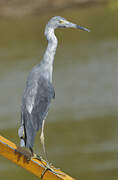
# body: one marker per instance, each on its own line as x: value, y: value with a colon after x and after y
x: 82, y: 28
x: 71, y: 25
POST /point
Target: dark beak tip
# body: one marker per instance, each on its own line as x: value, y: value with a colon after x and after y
x: 82, y: 28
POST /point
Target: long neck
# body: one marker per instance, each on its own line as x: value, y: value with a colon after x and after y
x: 48, y: 57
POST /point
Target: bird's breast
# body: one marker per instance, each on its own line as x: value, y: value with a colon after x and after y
x: 48, y: 73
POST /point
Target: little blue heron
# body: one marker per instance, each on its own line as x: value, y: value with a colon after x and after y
x: 39, y: 90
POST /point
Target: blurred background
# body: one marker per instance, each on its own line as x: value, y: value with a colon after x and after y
x: 82, y: 125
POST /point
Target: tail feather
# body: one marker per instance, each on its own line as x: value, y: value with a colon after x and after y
x: 27, y: 131
x: 30, y: 134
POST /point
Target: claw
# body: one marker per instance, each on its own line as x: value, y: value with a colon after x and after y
x: 50, y: 167
x: 23, y: 151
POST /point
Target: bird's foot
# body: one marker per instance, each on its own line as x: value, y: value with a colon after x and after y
x: 50, y: 167
x: 23, y: 151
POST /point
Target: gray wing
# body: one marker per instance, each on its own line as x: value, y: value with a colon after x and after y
x: 36, y: 101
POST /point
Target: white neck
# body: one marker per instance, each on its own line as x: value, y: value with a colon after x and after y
x: 52, y: 45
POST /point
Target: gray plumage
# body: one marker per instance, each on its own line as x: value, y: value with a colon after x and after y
x: 36, y: 100
x: 39, y: 90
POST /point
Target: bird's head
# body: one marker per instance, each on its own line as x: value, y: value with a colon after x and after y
x: 60, y: 22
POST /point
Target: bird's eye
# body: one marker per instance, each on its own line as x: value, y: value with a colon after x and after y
x: 62, y: 22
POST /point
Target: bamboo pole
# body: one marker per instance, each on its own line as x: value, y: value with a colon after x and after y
x: 35, y: 166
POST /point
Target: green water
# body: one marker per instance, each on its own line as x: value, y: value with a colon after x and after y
x: 82, y: 127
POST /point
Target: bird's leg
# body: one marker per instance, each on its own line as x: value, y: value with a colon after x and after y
x: 48, y: 165
x: 42, y: 140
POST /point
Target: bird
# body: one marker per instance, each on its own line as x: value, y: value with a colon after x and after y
x: 39, y: 90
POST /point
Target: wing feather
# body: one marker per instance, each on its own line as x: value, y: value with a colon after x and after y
x: 36, y: 101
